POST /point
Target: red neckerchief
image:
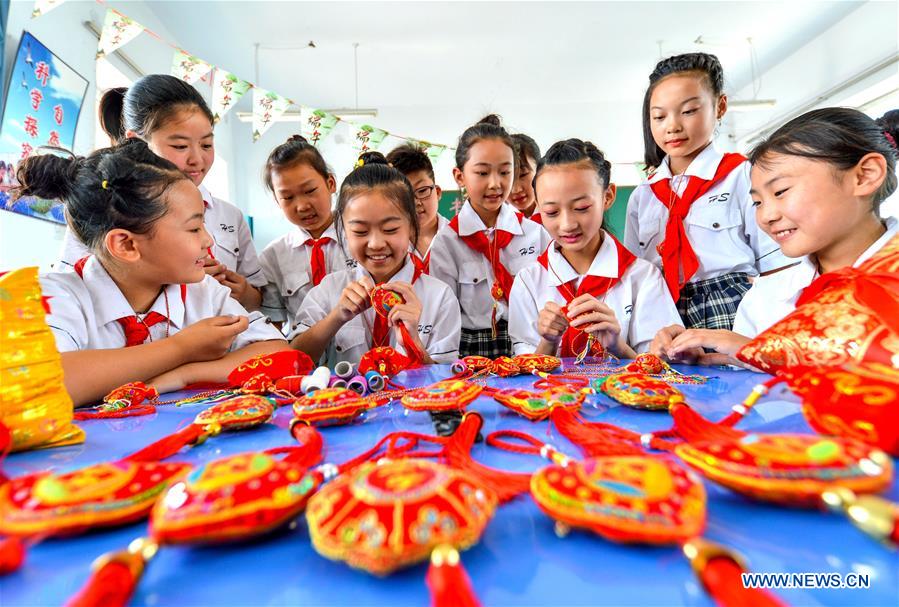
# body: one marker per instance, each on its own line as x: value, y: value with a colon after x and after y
x: 478, y: 242
x: 136, y: 331
x: 596, y: 286
x: 318, y: 258
x: 675, y: 250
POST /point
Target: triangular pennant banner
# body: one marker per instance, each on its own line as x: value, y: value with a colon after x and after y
x: 42, y: 7
x: 188, y: 68
x: 227, y: 89
x: 433, y: 150
x: 368, y: 138
x: 267, y: 108
x: 118, y: 30
x: 316, y: 124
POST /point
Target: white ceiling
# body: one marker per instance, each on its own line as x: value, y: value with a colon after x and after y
x: 497, y: 52
x: 432, y: 68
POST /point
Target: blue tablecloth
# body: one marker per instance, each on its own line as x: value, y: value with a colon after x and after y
x: 519, y: 560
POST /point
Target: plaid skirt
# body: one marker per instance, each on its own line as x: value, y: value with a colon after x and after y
x: 480, y: 342
x: 712, y: 303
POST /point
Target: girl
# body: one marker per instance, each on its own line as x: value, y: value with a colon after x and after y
x: 297, y: 175
x: 174, y: 120
x: 693, y: 216
x: 523, y: 197
x: 141, y: 307
x: 487, y: 243
x: 817, y: 184
x: 377, y: 217
x: 586, y: 287
x: 412, y: 161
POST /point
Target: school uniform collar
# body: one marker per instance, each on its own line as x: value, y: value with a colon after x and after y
x: 441, y: 222
x: 404, y: 274
x: 470, y: 223
x: 703, y: 166
x: 298, y: 237
x: 808, y: 265
x: 110, y: 304
x: 208, y: 198
x: 605, y: 263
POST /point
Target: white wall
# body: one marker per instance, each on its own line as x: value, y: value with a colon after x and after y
x: 865, y: 37
x: 26, y: 241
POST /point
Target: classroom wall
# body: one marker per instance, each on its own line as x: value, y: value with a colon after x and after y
x: 28, y: 241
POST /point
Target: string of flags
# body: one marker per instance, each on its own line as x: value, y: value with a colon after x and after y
x: 228, y: 88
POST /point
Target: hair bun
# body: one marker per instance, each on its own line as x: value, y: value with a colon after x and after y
x: 490, y: 119
x: 371, y: 157
x: 297, y: 137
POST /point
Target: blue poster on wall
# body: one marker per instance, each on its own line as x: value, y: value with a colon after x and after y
x: 43, y: 101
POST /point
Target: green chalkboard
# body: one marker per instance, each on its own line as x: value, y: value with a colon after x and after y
x: 450, y: 201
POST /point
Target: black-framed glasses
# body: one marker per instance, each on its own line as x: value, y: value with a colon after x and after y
x: 424, y: 191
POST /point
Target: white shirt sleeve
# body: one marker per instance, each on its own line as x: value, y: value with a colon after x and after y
x: 653, y: 309
x: 443, y: 264
x: 443, y: 346
x: 631, y: 225
x: 273, y: 304
x: 314, y: 309
x: 259, y: 329
x: 248, y: 263
x: 68, y: 318
x: 744, y: 323
x: 523, y: 312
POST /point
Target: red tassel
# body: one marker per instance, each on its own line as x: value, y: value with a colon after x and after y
x: 506, y: 485
x: 693, y: 427
x: 12, y: 555
x: 721, y: 578
x: 448, y: 581
x: 720, y: 572
x: 112, y: 583
x: 168, y: 446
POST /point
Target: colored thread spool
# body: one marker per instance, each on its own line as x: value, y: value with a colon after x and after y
x: 358, y: 384
x: 318, y: 380
x: 337, y: 382
x: 344, y: 370
x: 459, y: 367
x: 375, y: 381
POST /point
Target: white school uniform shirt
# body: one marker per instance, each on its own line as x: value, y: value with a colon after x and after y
x: 641, y: 300
x: 441, y: 223
x: 469, y: 274
x: 83, y: 310
x: 226, y: 225
x: 287, y: 263
x: 773, y: 297
x: 720, y: 224
x: 439, y: 326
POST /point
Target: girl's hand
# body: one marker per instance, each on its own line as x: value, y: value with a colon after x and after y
x: 354, y: 299
x: 237, y: 283
x: 725, y: 344
x: 408, y: 313
x: 661, y: 344
x: 211, y: 338
x: 551, y: 322
x: 596, y: 318
x: 214, y: 268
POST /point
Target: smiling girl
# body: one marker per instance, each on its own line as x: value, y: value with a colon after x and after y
x: 377, y: 216
x: 176, y: 123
